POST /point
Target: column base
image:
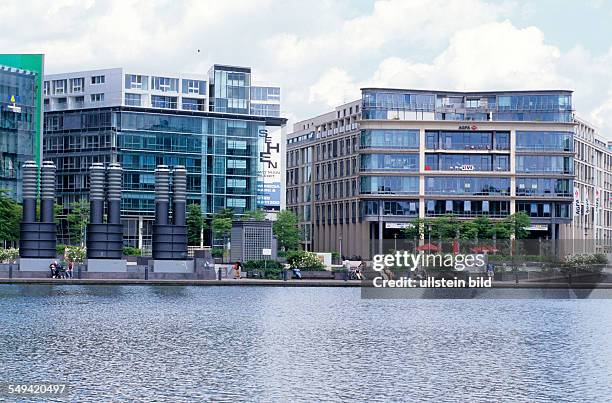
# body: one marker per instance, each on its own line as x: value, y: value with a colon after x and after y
x: 35, y: 263
x: 173, y: 266
x: 106, y: 265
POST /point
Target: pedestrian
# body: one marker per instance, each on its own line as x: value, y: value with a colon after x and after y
x: 69, y: 269
x: 236, y: 269
x: 52, y: 268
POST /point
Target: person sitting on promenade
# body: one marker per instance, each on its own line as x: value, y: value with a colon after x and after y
x: 53, y: 269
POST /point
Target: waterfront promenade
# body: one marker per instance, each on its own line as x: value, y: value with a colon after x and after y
x: 281, y: 283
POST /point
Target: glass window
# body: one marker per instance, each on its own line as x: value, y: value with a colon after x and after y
x: 554, y: 141
x: 132, y: 99
x: 403, y: 162
x: 390, y: 139
x: 389, y: 185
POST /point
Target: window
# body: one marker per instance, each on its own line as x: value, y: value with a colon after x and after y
x: 76, y: 84
x: 194, y: 87
x: 158, y: 101
x: 97, y: 97
x: 59, y: 87
x: 132, y: 99
x: 234, y: 202
x: 97, y: 80
x: 135, y: 82
x: 46, y: 88
x: 236, y: 183
x: 164, y: 84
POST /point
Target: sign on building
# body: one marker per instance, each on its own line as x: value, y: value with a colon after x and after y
x: 577, y: 207
x: 269, y: 172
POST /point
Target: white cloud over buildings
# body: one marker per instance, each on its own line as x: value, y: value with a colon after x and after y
x: 320, y: 52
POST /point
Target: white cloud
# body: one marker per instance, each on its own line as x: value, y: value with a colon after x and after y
x: 320, y: 52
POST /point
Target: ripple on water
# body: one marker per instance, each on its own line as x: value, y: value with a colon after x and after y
x: 306, y: 344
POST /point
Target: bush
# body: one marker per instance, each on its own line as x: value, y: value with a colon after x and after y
x: 60, y: 248
x: 271, y: 269
x: 9, y: 255
x: 131, y: 251
x: 335, y: 255
x: 216, y: 252
x: 261, y: 264
x: 76, y: 254
x: 304, y: 261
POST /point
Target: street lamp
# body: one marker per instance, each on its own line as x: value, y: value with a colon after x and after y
x: 395, y: 241
x: 429, y: 233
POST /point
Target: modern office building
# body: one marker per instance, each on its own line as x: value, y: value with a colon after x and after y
x: 222, y: 128
x: 363, y: 171
x: 20, y: 117
x: 592, y: 215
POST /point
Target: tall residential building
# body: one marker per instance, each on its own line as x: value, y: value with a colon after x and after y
x: 592, y: 216
x: 20, y: 117
x: 364, y: 171
x: 222, y: 128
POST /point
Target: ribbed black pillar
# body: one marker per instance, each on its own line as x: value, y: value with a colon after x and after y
x: 162, y: 194
x: 114, y: 193
x: 179, y: 190
x: 29, y: 170
x: 96, y: 193
x: 47, y: 192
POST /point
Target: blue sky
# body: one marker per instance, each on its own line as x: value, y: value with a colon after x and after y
x: 322, y: 51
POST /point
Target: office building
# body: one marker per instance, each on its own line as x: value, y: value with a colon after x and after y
x: 364, y: 171
x: 592, y: 215
x: 20, y: 117
x: 222, y: 128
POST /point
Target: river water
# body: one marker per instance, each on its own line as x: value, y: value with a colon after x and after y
x: 186, y: 344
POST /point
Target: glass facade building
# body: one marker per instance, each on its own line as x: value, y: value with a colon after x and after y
x: 221, y: 150
x: 20, y: 117
x: 417, y: 153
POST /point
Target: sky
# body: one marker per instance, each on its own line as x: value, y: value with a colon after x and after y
x: 321, y: 52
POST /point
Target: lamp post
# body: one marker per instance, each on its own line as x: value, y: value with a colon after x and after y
x: 395, y: 241
x: 429, y: 233
x: 341, y: 249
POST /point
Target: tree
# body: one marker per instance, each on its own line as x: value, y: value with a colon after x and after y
x: 222, y: 224
x: 257, y: 214
x: 10, y: 218
x: 77, y: 220
x: 286, y: 230
x: 195, y: 224
x: 515, y: 224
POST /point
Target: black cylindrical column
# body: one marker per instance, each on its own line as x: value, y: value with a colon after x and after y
x: 47, y: 191
x: 30, y: 170
x: 96, y: 193
x: 37, y: 240
x: 115, y: 174
x: 179, y: 193
x: 162, y: 194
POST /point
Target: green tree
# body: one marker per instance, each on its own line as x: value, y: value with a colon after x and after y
x: 515, y: 224
x: 445, y: 227
x: 222, y: 224
x: 10, y: 218
x: 195, y: 224
x: 257, y: 214
x: 77, y: 219
x: 286, y: 230
x: 419, y: 225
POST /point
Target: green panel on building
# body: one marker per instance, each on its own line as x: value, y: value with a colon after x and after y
x: 21, y: 108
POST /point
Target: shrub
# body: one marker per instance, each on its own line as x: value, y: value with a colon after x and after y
x: 216, y: 252
x: 9, y: 255
x: 76, y: 254
x: 60, y: 248
x: 131, y: 251
x: 304, y: 261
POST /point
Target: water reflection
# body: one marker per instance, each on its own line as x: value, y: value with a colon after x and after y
x: 306, y: 344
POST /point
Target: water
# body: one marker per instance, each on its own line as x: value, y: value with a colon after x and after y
x: 185, y: 344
